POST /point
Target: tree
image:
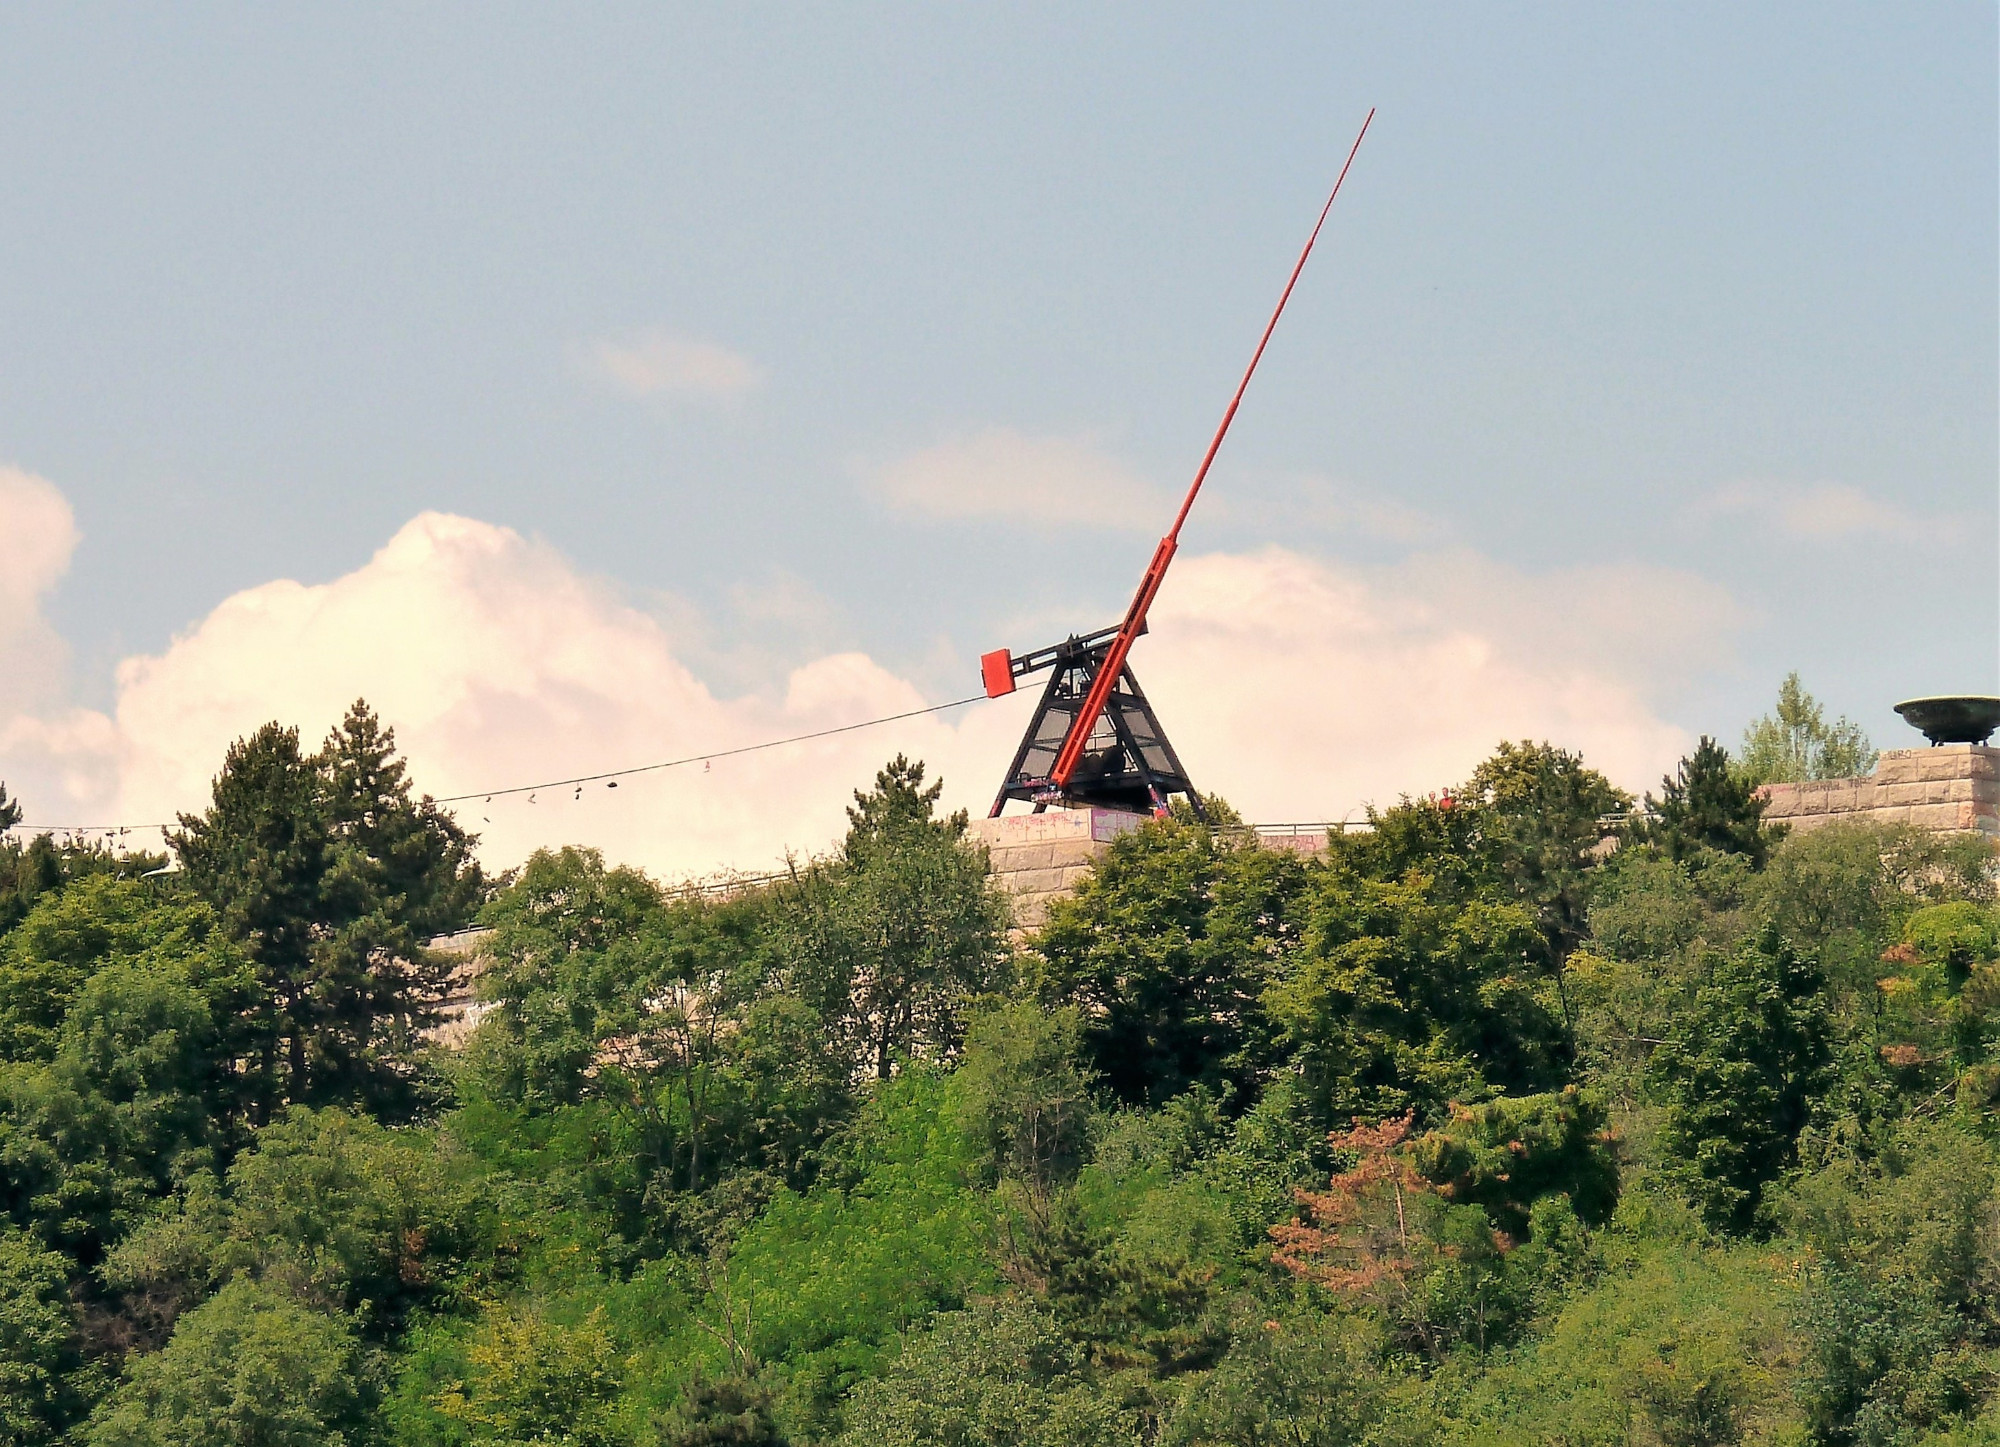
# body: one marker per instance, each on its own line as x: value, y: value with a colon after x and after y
x: 1021, y: 1096
x: 988, y: 1374
x: 1508, y: 1153
x: 1796, y: 743
x: 1707, y: 805
x: 897, y: 810
x: 249, y: 1366
x: 103, y: 920
x: 1898, y: 1302
x: 892, y: 941
x: 399, y: 872
x: 1382, y: 1235
x: 40, y: 866
x: 723, y: 1412
x: 1540, y: 818
x: 1399, y: 997
x: 665, y: 1009
x: 553, y: 971
x: 42, y: 1386
x: 333, y: 878
x: 534, y: 1379
x: 1167, y: 949
x: 259, y: 855
x: 1305, y: 1379
x: 27, y: 872
x: 342, y: 1213
x: 141, y: 1092
x: 1738, y: 1074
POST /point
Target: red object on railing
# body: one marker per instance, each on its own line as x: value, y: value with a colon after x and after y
x: 1156, y: 571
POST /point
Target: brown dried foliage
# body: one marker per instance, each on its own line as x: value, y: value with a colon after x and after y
x: 1358, y: 1236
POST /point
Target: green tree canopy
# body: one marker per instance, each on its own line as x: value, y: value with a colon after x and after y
x: 1167, y: 948
x: 1707, y: 805
x: 1794, y: 742
x: 1398, y: 999
x: 334, y: 878
x: 1738, y: 1073
x: 1540, y: 817
x: 891, y: 942
x: 248, y: 1366
x: 43, y: 1386
x: 988, y: 1374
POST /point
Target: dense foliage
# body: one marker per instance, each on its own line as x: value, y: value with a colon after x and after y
x: 1523, y: 1115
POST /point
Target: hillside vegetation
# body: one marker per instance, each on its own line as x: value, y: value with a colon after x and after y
x: 1525, y: 1116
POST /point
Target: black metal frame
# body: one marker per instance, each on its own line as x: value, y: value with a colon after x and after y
x: 1128, y: 763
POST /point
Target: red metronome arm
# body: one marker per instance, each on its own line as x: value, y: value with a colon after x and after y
x: 1156, y: 571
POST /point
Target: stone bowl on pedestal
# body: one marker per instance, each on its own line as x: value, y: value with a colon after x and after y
x: 1966, y: 719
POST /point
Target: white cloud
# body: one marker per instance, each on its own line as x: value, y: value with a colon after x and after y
x: 37, y: 535
x: 660, y: 364
x: 1011, y: 476
x: 1297, y: 689
x: 1819, y: 512
x: 1302, y: 691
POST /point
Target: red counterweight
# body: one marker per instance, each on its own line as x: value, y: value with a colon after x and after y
x: 996, y: 669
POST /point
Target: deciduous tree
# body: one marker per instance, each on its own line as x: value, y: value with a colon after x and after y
x: 1794, y: 742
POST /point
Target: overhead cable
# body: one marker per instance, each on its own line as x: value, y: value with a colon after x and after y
x: 577, y: 781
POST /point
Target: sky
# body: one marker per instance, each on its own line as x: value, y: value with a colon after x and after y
x: 590, y: 387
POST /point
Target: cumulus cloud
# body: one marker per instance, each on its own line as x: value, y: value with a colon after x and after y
x: 1013, y: 476
x: 1298, y: 689
x: 1305, y: 690
x: 1819, y: 512
x: 660, y: 364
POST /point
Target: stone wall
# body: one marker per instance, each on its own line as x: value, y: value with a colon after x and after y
x: 1949, y: 788
x: 1036, y: 857
x: 461, y: 1011
x: 1040, y: 857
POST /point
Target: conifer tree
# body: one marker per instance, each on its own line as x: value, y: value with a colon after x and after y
x: 333, y: 878
x: 1708, y: 805
x: 259, y: 856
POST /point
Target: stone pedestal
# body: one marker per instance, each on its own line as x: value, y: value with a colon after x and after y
x: 1037, y: 857
x: 1951, y: 788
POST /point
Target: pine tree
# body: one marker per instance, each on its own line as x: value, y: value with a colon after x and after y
x: 1708, y: 805
x: 333, y: 878
x: 259, y: 855
x: 898, y: 810
x: 400, y: 872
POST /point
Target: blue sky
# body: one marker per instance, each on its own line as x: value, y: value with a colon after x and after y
x: 1705, y: 289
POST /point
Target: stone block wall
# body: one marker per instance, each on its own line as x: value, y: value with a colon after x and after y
x: 461, y: 1011
x: 1948, y: 789
x: 1037, y: 857
x: 1040, y: 857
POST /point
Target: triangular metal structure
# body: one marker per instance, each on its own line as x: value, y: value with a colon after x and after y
x: 1127, y: 762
